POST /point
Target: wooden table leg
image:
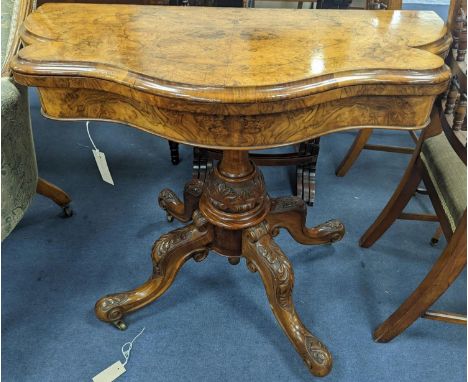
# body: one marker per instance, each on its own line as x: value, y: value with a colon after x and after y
x: 174, y: 147
x: 174, y: 208
x: 305, y: 172
x: 290, y: 213
x: 265, y: 256
x: 236, y: 218
x: 169, y: 253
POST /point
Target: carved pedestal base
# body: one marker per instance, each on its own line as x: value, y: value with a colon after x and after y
x: 234, y: 216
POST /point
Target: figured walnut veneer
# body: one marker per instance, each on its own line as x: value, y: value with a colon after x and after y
x: 235, y: 78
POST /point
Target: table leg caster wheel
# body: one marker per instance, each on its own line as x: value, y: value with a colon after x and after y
x: 120, y: 324
x: 234, y: 260
x: 169, y: 218
x: 434, y: 241
x: 67, y: 212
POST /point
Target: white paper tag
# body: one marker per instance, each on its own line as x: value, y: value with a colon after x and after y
x: 102, y: 166
x: 111, y: 373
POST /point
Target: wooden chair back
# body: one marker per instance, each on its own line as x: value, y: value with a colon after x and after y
x: 453, y: 103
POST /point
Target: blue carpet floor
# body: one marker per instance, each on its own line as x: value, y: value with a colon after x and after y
x: 214, y: 323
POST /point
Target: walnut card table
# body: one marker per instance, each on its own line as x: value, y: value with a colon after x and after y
x: 235, y: 80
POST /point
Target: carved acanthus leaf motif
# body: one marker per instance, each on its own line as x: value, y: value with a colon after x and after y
x: 236, y: 198
x: 194, y: 187
x: 166, y: 243
x: 334, y: 228
x: 111, y: 302
x: 281, y: 270
x: 167, y: 197
x: 317, y: 350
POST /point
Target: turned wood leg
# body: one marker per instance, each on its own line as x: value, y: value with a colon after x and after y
x: 174, y: 147
x: 56, y: 194
x: 441, y: 276
x: 305, y: 172
x: 353, y: 152
x: 395, y: 205
x: 169, y: 253
x: 264, y: 255
x: 436, y: 237
x: 290, y: 213
x: 174, y: 208
x: 202, y: 163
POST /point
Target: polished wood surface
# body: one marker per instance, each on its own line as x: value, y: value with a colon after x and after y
x: 158, y: 42
x: 234, y: 79
x: 281, y: 86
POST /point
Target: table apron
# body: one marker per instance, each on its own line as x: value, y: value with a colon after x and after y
x: 246, y: 132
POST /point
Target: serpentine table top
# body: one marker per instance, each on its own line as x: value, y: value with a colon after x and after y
x: 234, y: 78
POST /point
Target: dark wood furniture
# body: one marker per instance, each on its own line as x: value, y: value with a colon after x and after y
x: 440, y: 161
x: 236, y: 80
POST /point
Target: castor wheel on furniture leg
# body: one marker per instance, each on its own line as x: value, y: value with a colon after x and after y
x: 234, y: 260
x: 436, y: 237
x: 120, y: 324
x: 67, y: 212
x: 169, y: 217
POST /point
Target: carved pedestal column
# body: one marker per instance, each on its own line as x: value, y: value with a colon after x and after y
x: 234, y: 216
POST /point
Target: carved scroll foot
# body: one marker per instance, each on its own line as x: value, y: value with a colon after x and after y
x: 264, y: 256
x: 174, y: 208
x: 290, y: 213
x: 169, y: 253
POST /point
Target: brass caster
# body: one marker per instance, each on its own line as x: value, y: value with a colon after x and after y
x: 200, y: 256
x: 120, y: 324
x: 234, y: 260
x: 434, y: 242
x: 169, y: 218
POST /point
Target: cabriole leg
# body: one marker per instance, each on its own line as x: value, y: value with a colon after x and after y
x: 264, y: 255
x: 174, y: 208
x: 290, y: 213
x: 169, y: 253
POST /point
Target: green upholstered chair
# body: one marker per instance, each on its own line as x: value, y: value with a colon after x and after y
x: 440, y: 161
x: 19, y: 169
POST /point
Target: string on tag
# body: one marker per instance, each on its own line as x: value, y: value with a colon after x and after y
x: 101, y: 161
x: 117, y: 368
x: 126, y: 352
x: 89, y: 135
